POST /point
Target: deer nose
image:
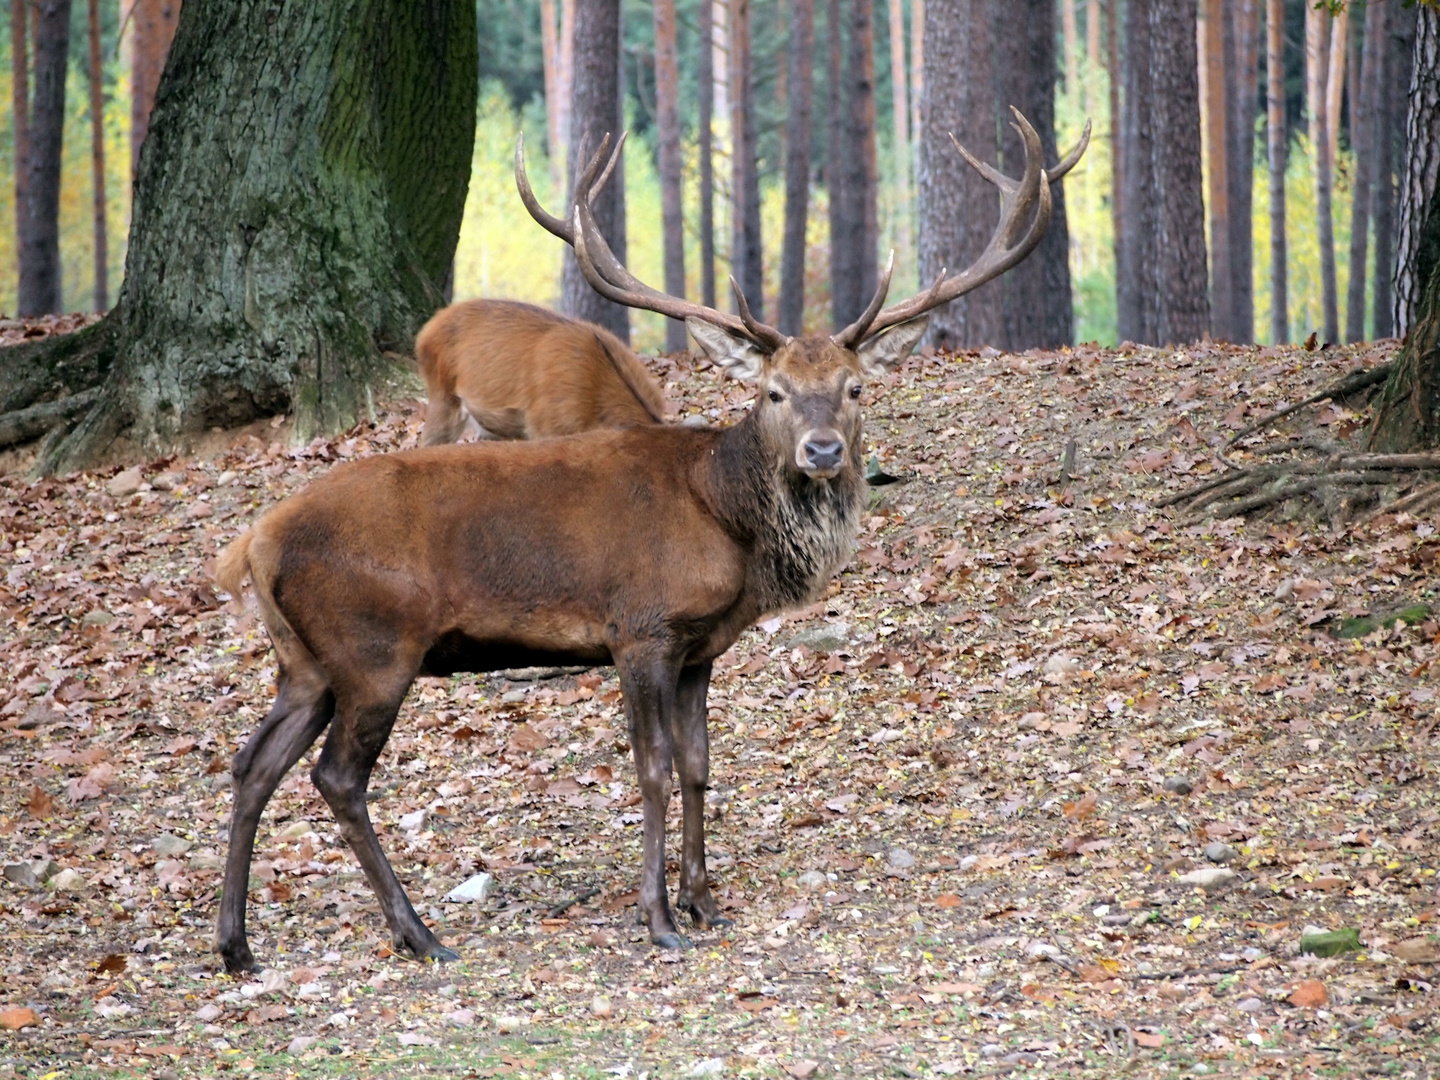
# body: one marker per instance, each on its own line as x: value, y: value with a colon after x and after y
x: 823, y: 454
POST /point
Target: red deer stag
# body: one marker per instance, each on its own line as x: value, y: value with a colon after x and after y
x: 648, y: 548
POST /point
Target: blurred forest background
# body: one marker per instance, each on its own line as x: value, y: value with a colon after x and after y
x: 503, y: 254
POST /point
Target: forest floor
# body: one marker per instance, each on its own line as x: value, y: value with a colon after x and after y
x: 956, y: 804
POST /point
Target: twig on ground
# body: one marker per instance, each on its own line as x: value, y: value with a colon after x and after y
x: 1067, y: 465
x: 1349, y: 384
x: 565, y: 905
x: 1187, y: 974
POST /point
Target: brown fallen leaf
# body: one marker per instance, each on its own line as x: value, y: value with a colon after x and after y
x: 18, y: 1017
x: 41, y: 805
x: 92, y: 785
x: 566, y: 786
x: 947, y: 900
x: 1081, y: 808
x: 802, y: 1069
x: 112, y: 964
x: 1152, y: 1040
x: 526, y: 739
x: 756, y: 1003
x: 1310, y: 994
x: 1420, y: 950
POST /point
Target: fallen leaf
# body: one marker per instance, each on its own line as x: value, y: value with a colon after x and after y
x: 1081, y: 808
x: 41, y: 805
x: 1151, y: 1040
x: 18, y: 1017
x: 947, y: 900
x: 1310, y: 994
x: 801, y: 1070
x: 114, y: 963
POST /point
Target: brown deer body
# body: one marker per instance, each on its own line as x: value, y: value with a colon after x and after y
x: 526, y: 373
x: 651, y: 549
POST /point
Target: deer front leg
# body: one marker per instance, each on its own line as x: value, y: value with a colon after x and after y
x: 692, y: 763
x: 648, y: 685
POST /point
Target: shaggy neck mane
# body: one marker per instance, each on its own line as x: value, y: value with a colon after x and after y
x: 802, y: 531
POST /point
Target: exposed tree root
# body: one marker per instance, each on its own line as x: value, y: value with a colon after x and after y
x: 24, y: 424
x: 1352, y: 383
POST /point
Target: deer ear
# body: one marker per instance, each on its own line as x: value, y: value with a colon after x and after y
x: 738, y: 357
x: 885, y: 351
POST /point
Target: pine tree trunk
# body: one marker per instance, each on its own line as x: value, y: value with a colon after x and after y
x: 1241, y: 122
x: 1037, y: 308
x: 565, y: 77
x: 862, y: 167
x: 595, y: 110
x: 1335, y: 81
x: 957, y: 207
x: 1363, y: 141
x: 1092, y: 34
x: 917, y: 74
x: 97, y: 162
x: 1164, y: 295
x: 705, y: 91
x: 313, y: 252
x: 900, y: 125
x: 152, y: 27
x: 799, y: 107
x: 843, y: 257
x: 1070, y: 35
x: 745, y: 250
x: 20, y: 103
x: 1219, y: 72
x: 1124, y: 317
x: 38, y: 234
x: 550, y: 69
x: 1275, y: 143
x: 1419, y: 243
x: 1317, y: 54
x: 1318, y: 30
x: 667, y: 123
x: 1395, y: 84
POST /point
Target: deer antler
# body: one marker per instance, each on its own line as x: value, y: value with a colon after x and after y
x: 608, y: 276
x: 1008, y: 244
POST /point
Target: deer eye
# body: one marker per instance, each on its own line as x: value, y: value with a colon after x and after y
x: 855, y: 391
x: 775, y: 395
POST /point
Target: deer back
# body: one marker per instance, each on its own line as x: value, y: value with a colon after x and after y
x: 532, y: 373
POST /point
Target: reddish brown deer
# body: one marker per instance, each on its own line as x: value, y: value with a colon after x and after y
x: 526, y: 373
x: 648, y: 548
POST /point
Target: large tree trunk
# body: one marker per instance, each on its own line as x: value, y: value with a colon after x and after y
x: 917, y: 72
x: 862, y: 167
x: 1037, y: 309
x: 667, y: 123
x: 900, y: 125
x: 1070, y: 36
x: 1092, y: 35
x: 1407, y: 413
x: 1163, y: 291
x: 550, y: 70
x: 1275, y: 144
x: 20, y: 102
x: 1219, y: 77
x: 705, y: 91
x: 1244, y: 103
x: 152, y: 28
x: 745, y: 250
x: 957, y: 206
x: 1419, y: 240
x: 1395, y: 83
x: 38, y: 235
x: 97, y: 162
x: 801, y: 94
x: 595, y: 110
x: 1335, y: 80
x: 1324, y: 185
x: 842, y: 255
x: 1363, y: 141
x: 1124, y: 317
x: 272, y: 274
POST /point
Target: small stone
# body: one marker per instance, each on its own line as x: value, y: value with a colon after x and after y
x: 300, y: 1044
x: 1210, y: 878
x: 20, y: 874
x: 600, y: 1007
x: 338, y: 1020
x: 1200, y: 1068
x: 167, y: 481
x: 96, y: 618
x: 69, y: 881
x: 226, y: 477
x: 294, y: 831
x: 507, y: 1025
x: 414, y: 821
x: 1021, y: 1057
x: 992, y: 1050
x: 475, y: 889
x: 1251, y: 1005
x: 812, y: 879
x: 969, y: 861
x: 1178, y: 785
x: 510, y: 697
x: 1040, y: 950
x: 824, y: 637
x: 125, y: 483
x: 169, y: 846
x: 1220, y: 853
x: 708, y: 1067
x: 460, y: 1018
x: 208, y: 1012
x: 899, y: 859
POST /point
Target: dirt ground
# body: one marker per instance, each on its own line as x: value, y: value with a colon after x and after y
x: 1052, y: 782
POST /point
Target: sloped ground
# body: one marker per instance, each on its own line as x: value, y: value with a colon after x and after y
x: 950, y: 802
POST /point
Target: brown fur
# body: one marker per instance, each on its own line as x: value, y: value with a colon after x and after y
x: 526, y: 373
x: 651, y: 548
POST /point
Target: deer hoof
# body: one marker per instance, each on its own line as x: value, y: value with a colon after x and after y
x: 673, y: 941
x: 239, y: 961
x: 439, y: 954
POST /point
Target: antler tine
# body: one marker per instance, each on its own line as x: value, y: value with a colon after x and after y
x: 852, y: 334
x: 1076, y: 153
x: 757, y: 331
x: 1011, y: 241
x: 585, y: 181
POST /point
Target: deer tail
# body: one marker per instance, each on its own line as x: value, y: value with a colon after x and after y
x: 635, y: 381
x: 234, y: 564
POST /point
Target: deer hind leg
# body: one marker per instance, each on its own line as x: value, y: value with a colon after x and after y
x: 363, y: 721
x: 301, y: 710
x: 648, y: 684
x: 692, y: 762
x: 444, y: 420
x: 501, y: 423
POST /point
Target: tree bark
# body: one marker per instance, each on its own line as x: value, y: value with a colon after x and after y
x: 1219, y: 72
x: 1124, y: 316
x: 97, y: 162
x: 1395, y: 83
x: 1092, y: 34
x: 799, y: 107
x: 1364, y: 142
x: 705, y: 91
x: 565, y: 77
x: 595, y: 110
x: 862, y: 167
x: 667, y: 123
x: 1335, y: 80
x: 38, y: 234
x: 20, y: 103
x: 842, y: 255
x: 272, y: 274
x: 957, y: 207
x: 1275, y: 142
x: 1317, y: 53
x: 550, y: 69
x: 1419, y: 235
x: 1407, y: 411
x: 1037, y: 308
x: 152, y: 27
x: 745, y: 250
x: 1070, y: 35
x: 1318, y: 29
x: 1164, y: 295
x: 900, y: 124
x: 917, y: 73
x: 1244, y: 103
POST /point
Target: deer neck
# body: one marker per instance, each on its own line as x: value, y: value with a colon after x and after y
x: 799, y: 532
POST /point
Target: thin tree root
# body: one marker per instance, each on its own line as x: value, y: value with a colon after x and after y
x: 1349, y: 384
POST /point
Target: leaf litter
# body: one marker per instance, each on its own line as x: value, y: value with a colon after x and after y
x: 958, y: 806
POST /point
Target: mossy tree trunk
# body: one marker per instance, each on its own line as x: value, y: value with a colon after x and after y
x: 296, y: 209
x: 1407, y: 414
